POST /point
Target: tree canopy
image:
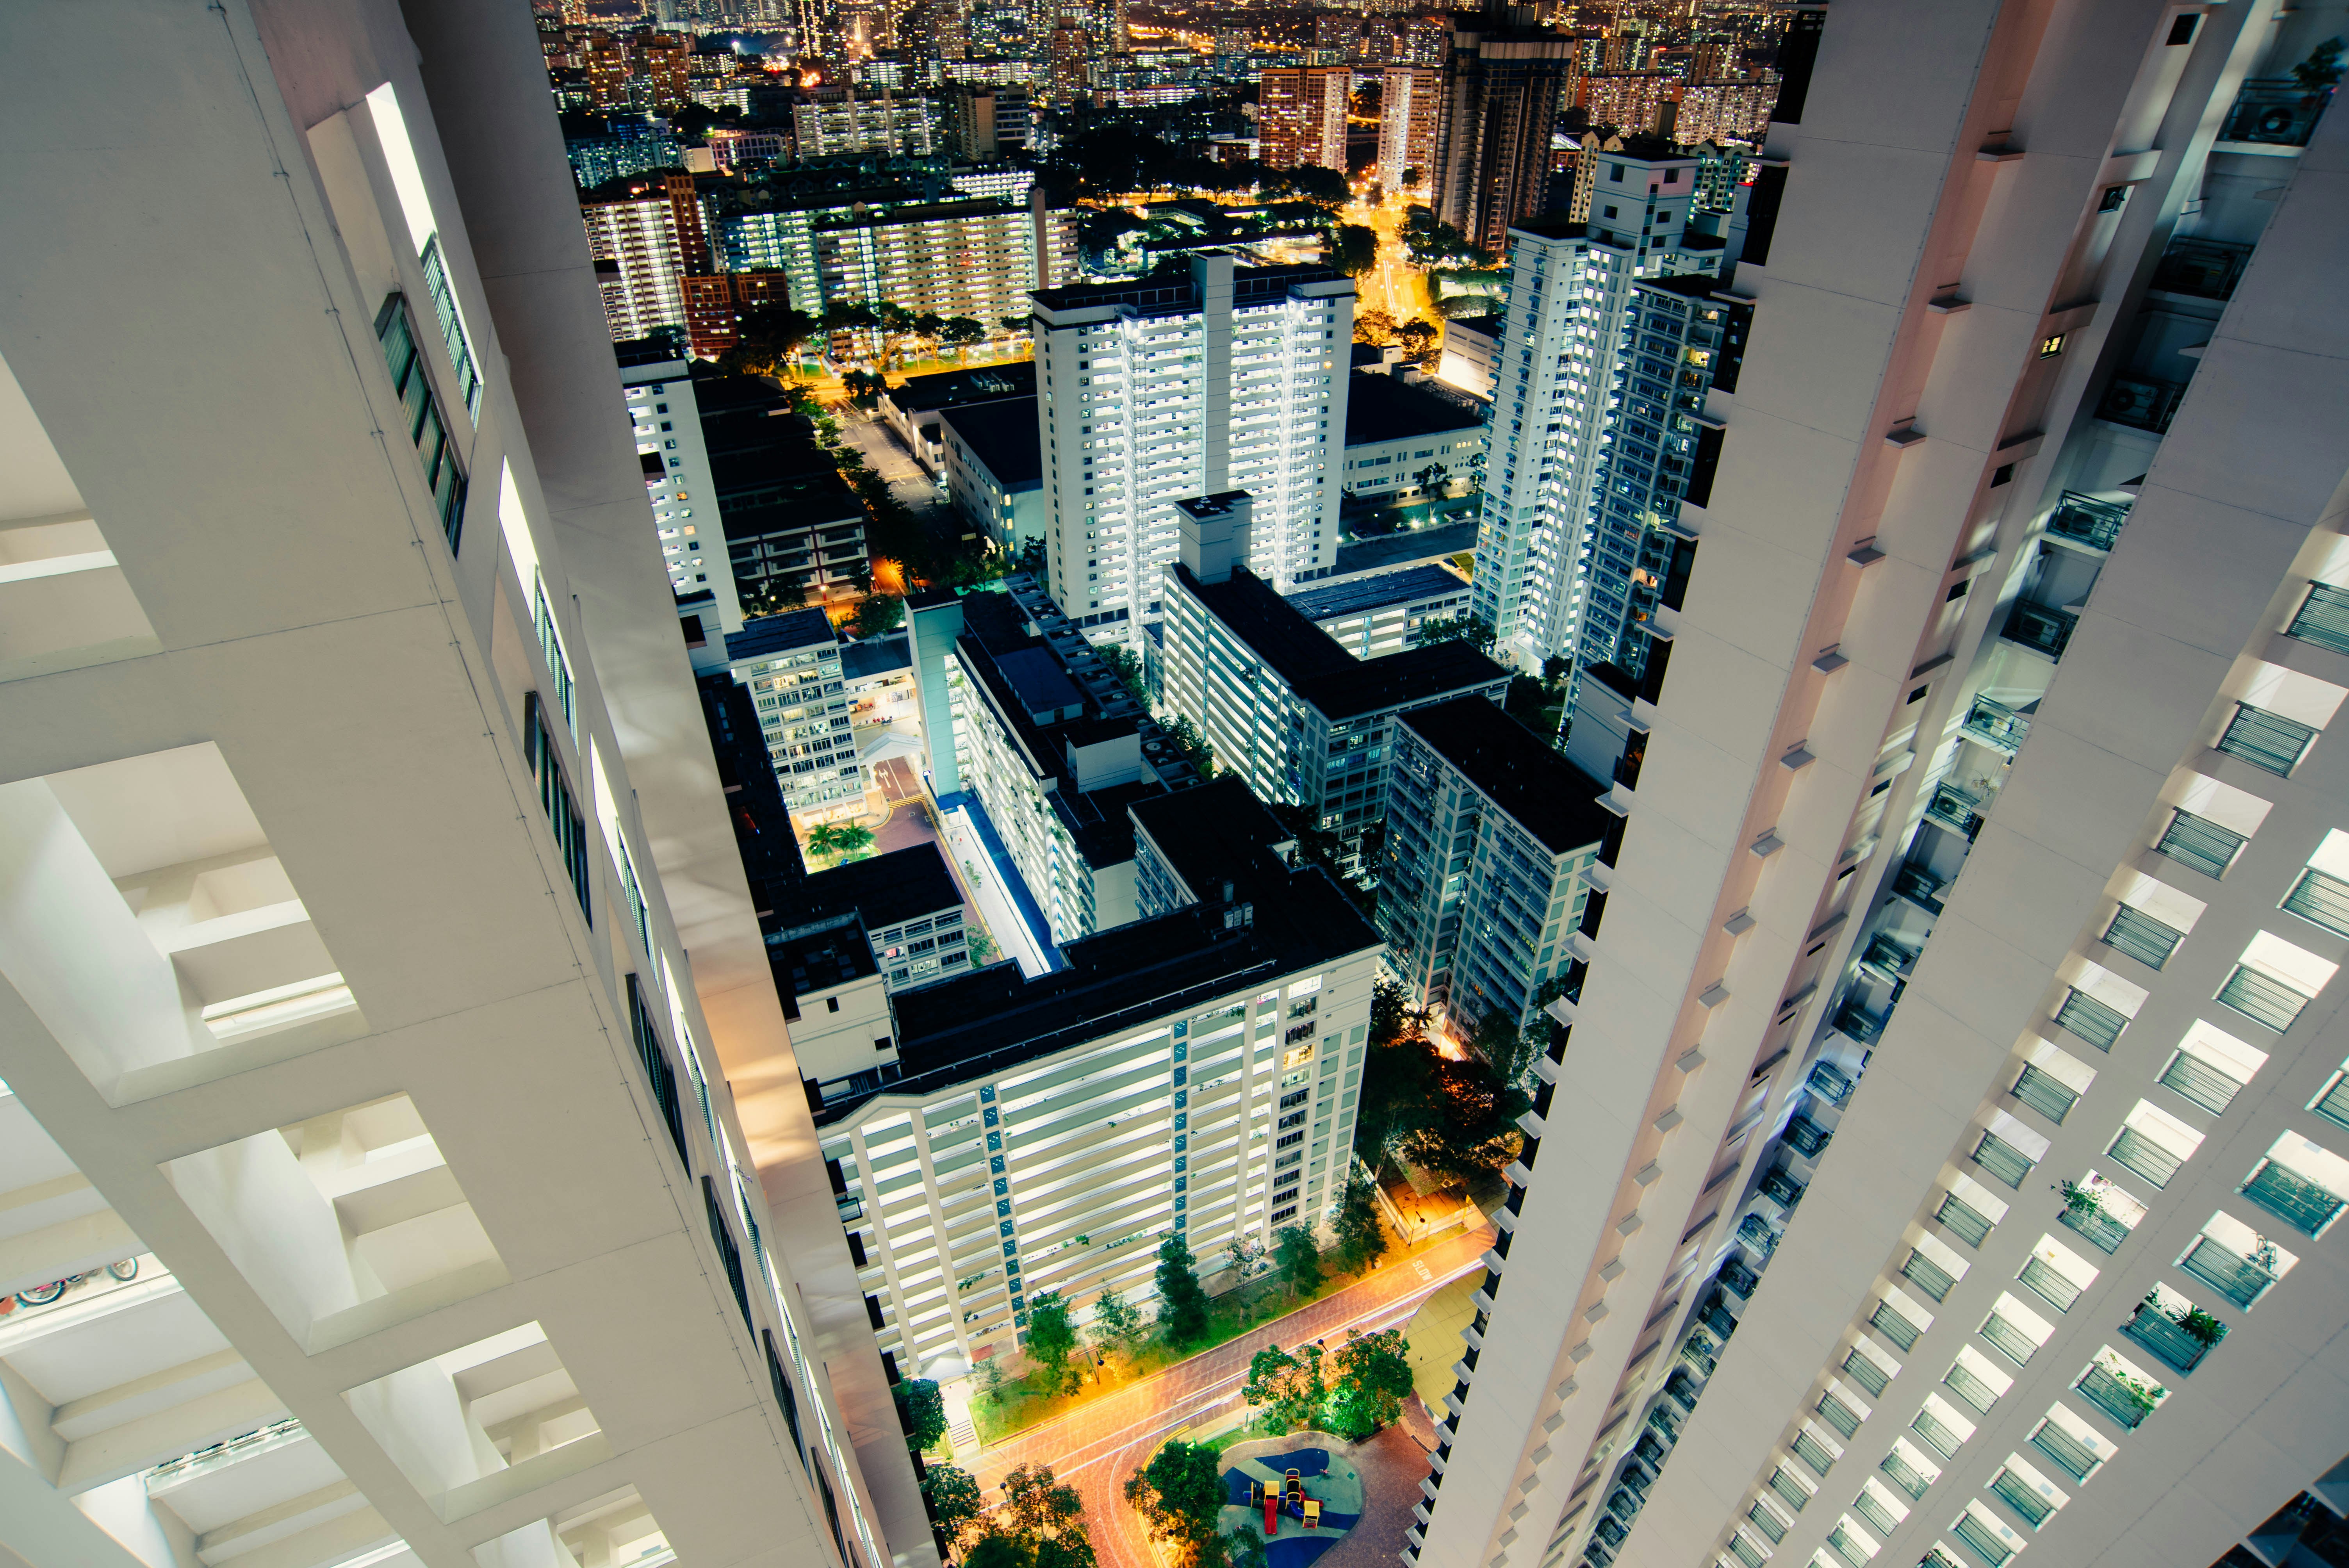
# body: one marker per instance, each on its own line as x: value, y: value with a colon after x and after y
x: 1353, y: 249
x: 1297, y: 1259
x: 1288, y: 1388
x: 1373, y: 1377
x: 921, y: 1410
x: 1182, y: 1300
x: 1361, y: 1238
x: 1180, y: 1496
x: 954, y: 1499
x: 1051, y: 1339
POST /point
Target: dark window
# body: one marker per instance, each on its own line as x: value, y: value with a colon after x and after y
x: 2001, y: 475
x: 2181, y: 30
x: 1676, y: 575
x: 1700, y: 468
x: 1735, y: 322
x: 2112, y: 199
x: 1919, y: 695
x: 831, y: 1004
x: 1958, y: 591
x: 1769, y: 191
x: 1798, y: 52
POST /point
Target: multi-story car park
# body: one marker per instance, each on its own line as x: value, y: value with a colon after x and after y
x: 1194, y: 1072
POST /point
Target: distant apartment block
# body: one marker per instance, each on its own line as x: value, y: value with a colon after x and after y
x: 666, y: 419
x: 974, y: 259
x: 1194, y: 1073
x: 1301, y: 116
x: 1410, y: 113
x: 792, y: 665
x: 851, y: 121
x: 1280, y: 702
x: 1382, y: 613
x: 1491, y: 836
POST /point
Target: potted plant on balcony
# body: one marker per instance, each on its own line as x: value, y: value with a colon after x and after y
x: 2143, y: 1395
x: 2080, y: 1198
x: 2199, y: 1324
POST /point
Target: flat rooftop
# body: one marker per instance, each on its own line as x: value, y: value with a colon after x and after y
x: 1382, y: 408
x: 1001, y: 435
x: 1317, y: 667
x: 770, y: 634
x: 884, y: 891
x: 819, y: 957
x: 1172, y: 293
x: 950, y: 389
x: 1278, y: 920
x: 876, y: 657
x: 1539, y: 789
x: 1411, y: 586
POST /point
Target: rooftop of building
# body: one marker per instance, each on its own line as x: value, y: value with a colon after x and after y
x: 638, y: 353
x: 821, y: 955
x: 1483, y: 325
x: 1023, y: 677
x: 772, y: 635
x: 1357, y: 596
x: 1001, y: 435
x: 1538, y: 788
x: 773, y: 490
x: 884, y: 891
x: 1278, y: 919
x: 873, y: 657
x: 1317, y: 667
x: 953, y: 389
x: 1383, y: 408
x: 924, y: 212
x: 1172, y: 292
x: 1552, y: 226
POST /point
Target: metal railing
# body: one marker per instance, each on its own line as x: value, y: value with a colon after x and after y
x: 1997, y: 725
x: 2141, y: 402
x: 2275, y: 110
x: 2041, y: 627
x: 2158, y: 1333
x: 2208, y: 269
x: 2088, y: 521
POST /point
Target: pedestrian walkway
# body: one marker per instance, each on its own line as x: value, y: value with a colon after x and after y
x: 1019, y: 927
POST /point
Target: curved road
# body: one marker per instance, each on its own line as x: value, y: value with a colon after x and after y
x: 1096, y: 1446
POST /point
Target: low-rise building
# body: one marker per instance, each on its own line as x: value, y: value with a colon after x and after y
x: 1404, y: 440
x: 1490, y: 839
x: 1055, y: 757
x: 657, y: 383
x: 792, y: 665
x: 1194, y: 1073
x: 1280, y: 702
x: 1383, y: 612
x: 995, y: 470
x: 907, y: 905
x: 912, y: 409
x: 1469, y: 350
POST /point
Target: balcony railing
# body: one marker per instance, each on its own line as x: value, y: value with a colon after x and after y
x: 2022, y: 1496
x: 2004, y: 1336
x: 1809, y: 1139
x: 2306, y: 1206
x: 1886, y: 957
x: 2157, y: 1332
x: 1781, y: 1188
x: 2276, y: 110
x: 1956, y: 810
x: 1859, y: 1023
x: 2040, y: 627
x: 1972, y: 1391
x: 1995, y: 724
x: 1739, y: 1278
x: 1919, y: 887
x: 2208, y: 269
x: 2141, y: 402
x: 2050, y: 1284
x: 2088, y: 521
x: 2125, y: 1404
x: 1906, y: 1476
x: 2104, y: 1233
x: 2068, y: 1453
x: 2238, y: 1278
x: 1830, y: 1083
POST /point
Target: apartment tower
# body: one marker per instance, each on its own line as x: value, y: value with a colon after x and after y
x: 1301, y: 116
x: 377, y: 958
x: 1230, y: 378
x: 1506, y: 84
x: 1953, y: 1091
x: 1411, y: 111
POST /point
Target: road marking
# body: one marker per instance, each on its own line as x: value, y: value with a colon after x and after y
x: 1419, y: 1268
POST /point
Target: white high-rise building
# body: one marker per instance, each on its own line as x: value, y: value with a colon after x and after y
x: 1561, y: 400
x: 666, y: 419
x: 372, y: 1190
x: 1953, y: 1136
x: 1231, y: 379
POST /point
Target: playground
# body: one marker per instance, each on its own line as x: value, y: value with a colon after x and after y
x: 1296, y: 1492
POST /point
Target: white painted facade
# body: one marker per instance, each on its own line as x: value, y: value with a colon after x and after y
x: 2003, y: 691
x: 355, y: 825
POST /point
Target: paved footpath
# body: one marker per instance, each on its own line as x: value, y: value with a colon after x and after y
x: 1098, y: 1445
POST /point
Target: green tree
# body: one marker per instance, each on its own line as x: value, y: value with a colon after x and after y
x: 1000, y: 1551
x: 962, y: 331
x: 1051, y: 1339
x: 773, y: 596
x: 922, y: 1412
x: 1479, y: 635
x: 1047, y: 1516
x: 1421, y: 339
x: 1390, y: 1006
x: 1182, y: 1300
x: 1289, y: 1390
x: 1375, y: 326
x: 1244, y: 1548
x: 1191, y: 744
x: 1399, y: 1099
x: 955, y: 1500
x: 1373, y: 1376
x: 1361, y: 1238
x: 1117, y: 1323
x: 1353, y: 249
x: 1296, y: 1260
x: 767, y: 338
x: 1502, y: 1044
x: 1180, y: 1497
x: 1126, y: 665
x: 844, y: 839
x: 879, y: 614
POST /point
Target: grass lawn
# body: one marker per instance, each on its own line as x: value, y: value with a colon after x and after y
x: 1022, y: 1402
